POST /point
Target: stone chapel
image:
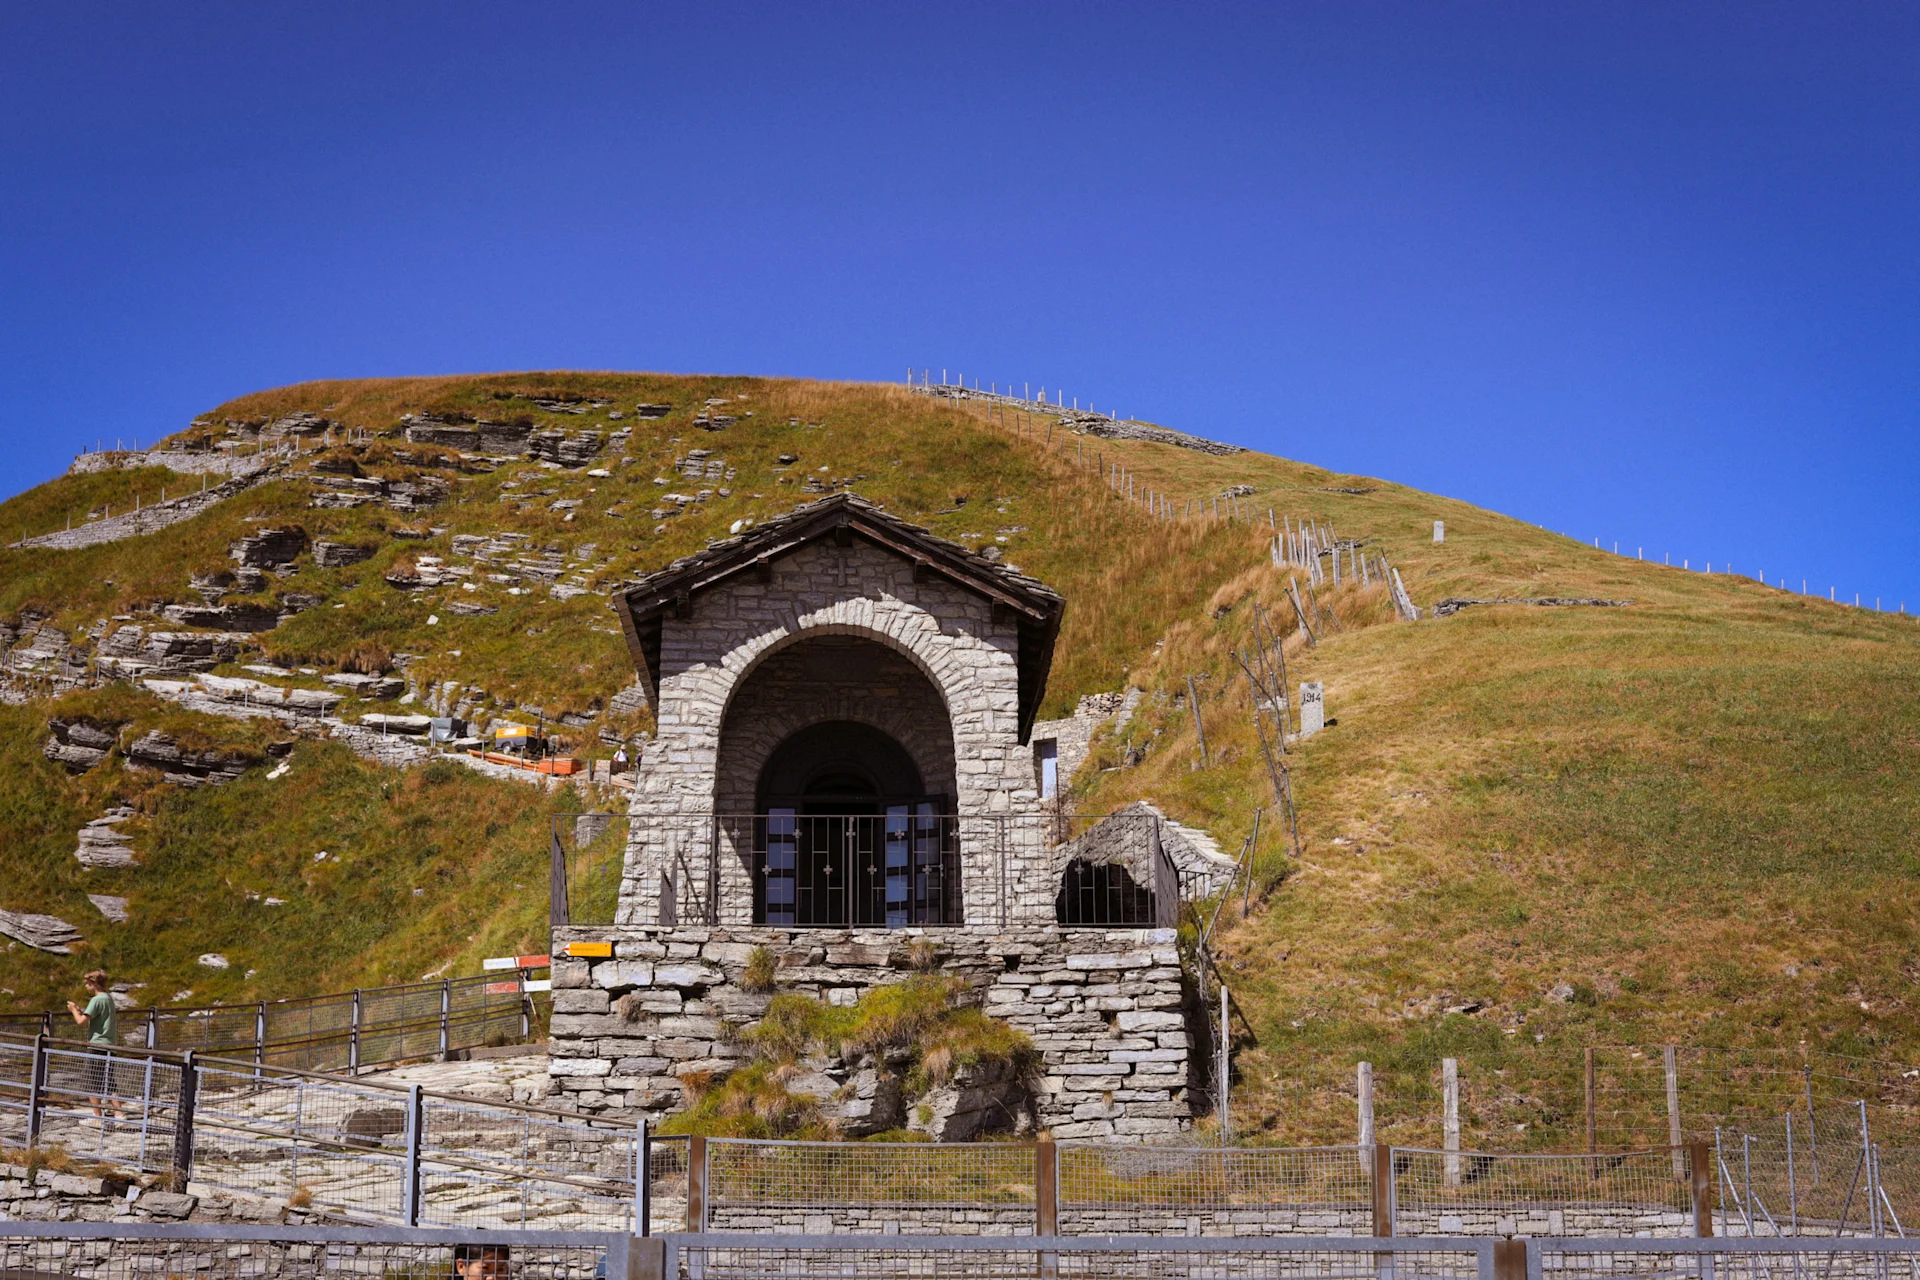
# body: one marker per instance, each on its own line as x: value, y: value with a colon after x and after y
x: 846, y: 772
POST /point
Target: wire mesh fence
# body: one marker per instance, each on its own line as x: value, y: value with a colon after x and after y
x: 1479, y: 1193
x: 115, y: 1108
x: 742, y: 1172
x: 344, y: 1031
x: 32, y: 1251
x: 1611, y: 1097
x: 1723, y: 1260
x: 1214, y: 1190
x: 724, y: 1257
x: 1815, y: 1173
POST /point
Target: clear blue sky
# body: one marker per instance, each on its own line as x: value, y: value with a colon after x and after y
x: 1646, y: 272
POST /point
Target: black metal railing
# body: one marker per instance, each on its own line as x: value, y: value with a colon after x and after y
x: 902, y: 866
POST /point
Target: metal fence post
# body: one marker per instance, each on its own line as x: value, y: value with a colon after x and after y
x: 416, y: 1122
x: 353, y: 1037
x: 1702, y: 1189
x: 697, y: 1183
x: 153, y: 1028
x: 446, y: 1017
x: 643, y: 1180
x: 183, y: 1122
x: 526, y: 1005
x: 1593, y: 1133
x: 557, y: 908
x: 1382, y: 1189
x: 1046, y: 1188
x: 36, y: 1088
x: 259, y: 1037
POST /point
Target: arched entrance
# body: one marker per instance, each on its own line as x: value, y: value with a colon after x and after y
x: 837, y: 753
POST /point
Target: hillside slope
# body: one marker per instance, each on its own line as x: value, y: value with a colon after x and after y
x: 1684, y: 819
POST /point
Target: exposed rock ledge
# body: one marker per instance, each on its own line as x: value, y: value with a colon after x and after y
x: 1454, y: 604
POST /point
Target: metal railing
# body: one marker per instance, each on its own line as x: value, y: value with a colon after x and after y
x: 897, y: 868
x: 344, y: 1032
x: 136, y: 1251
x: 355, y: 1149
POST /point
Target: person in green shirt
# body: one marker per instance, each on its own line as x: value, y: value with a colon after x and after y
x: 98, y: 1018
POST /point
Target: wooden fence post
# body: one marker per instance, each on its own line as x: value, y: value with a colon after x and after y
x: 1702, y: 1171
x: 1509, y: 1260
x: 1046, y: 1188
x: 1363, y: 1097
x: 697, y: 1183
x: 1593, y: 1132
x: 1450, y: 1118
x: 1670, y: 1060
x: 1382, y: 1189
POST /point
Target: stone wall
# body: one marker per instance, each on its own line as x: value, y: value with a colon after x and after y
x: 949, y: 634
x: 1104, y: 1008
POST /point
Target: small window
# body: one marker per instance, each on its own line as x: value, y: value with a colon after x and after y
x: 1046, y: 753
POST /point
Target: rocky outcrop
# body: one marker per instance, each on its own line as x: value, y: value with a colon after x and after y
x: 43, y: 933
x: 183, y: 767
x: 652, y: 410
x: 236, y: 616
x: 365, y: 686
x: 987, y: 1097
x: 568, y: 448
x: 102, y: 845
x: 112, y: 907
x: 305, y: 702
x: 270, y: 548
x: 1454, y: 604
x: 132, y: 651
x: 77, y: 744
x: 500, y: 439
x: 338, y: 555
x: 45, y: 650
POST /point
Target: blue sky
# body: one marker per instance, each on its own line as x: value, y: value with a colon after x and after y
x: 1642, y: 272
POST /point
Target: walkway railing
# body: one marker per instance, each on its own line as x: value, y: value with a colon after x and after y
x: 342, y: 1032
x: 135, y: 1251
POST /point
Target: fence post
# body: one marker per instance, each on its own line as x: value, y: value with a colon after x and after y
x: 643, y: 1180
x: 697, y: 1183
x: 1046, y: 1188
x: 1592, y: 1129
x: 646, y: 1260
x: 153, y: 1028
x: 259, y: 1036
x: 1363, y: 1100
x: 183, y: 1122
x: 1166, y: 885
x: 36, y: 1089
x: 557, y: 910
x: 416, y: 1121
x: 353, y: 1037
x: 1671, y: 1061
x: 1509, y: 1260
x: 1382, y: 1189
x: 1450, y: 1118
x: 1701, y: 1171
x: 446, y: 1018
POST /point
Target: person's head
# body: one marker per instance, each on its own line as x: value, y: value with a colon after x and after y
x: 480, y: 1261
x: 96, y: 980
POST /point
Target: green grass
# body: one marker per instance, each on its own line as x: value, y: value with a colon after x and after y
x: 473, y: 848
x: 1694, y: 811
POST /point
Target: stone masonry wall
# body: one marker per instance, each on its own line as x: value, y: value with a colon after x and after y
x: 1103, y: 1008
x: 948, y: 633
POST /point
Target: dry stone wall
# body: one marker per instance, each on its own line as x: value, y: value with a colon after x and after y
x: 1103, y: 1007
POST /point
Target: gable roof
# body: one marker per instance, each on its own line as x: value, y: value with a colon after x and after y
x: 844, y: 518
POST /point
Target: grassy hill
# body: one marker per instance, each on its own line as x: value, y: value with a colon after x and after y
x: 1691, y: 813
